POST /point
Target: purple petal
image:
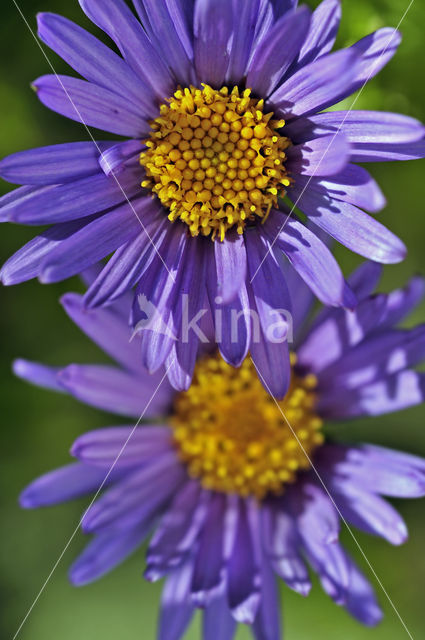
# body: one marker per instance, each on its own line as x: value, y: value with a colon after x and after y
x: 311, y: 259
x: 8, y: 201
x: 316, y: 515
x: 208, y: 561
x: 375, y: 50
x: 121, y: 156
x: 401, y: 302
x: 167, y: 27
x: 73, y: 481
x: 116, y: 19
x: 105, y: 553
x: 38, y: 374
x: 394, y: 393
x: 126, y: 446
x: 243, y: 581
x: 233, y: 331
x: 369, y: 513
x: 176, y: 609
x: 348, y: 225
x: 332, y: 566
x: 361, y: 599
x: 244, y: 26
x: 107, y: 328
x: 324, y: 156
x: 218, y: 622
x: 91, y: 105
x: 213, y: 28
x: 315, y: 86
x: 132, y: 501
x: 129, y: 263
x: 388, y: 153
x: 267, y: 625
x: 93, y: 242
x: 82, y: 51
x: 230, y: 260
x: 78, y: 199
x: 54, y: 164
x: 274, y: 54
x: 359, y: 127
x: 281, y: 546
x: 322, y: 33
x: 336, y: 331
x: 25, y: 263
x: 178, y: 530
x: 356, y: 186
x: 114, y: 390
x: 365, y: 279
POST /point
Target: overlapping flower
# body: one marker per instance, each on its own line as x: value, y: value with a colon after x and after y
x: 236, y: 486
x: 222, y: 104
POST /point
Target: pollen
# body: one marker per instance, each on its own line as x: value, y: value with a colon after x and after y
x: 232, y: 436
x: 215, y: 160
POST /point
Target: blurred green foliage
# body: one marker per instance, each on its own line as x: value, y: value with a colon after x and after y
x: 39, y: 427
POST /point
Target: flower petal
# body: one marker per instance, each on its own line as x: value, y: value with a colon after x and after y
x: 91, y: 105
x: 276, y: 51
x: 176, y: 608
x: 322, y: 33
x: 231, y: 265
x: 315, y: 86
x: 82, y: 51
x: 117, y: 20
x: 348, y: 225
x: 324, y: 156
x: 213, y: 29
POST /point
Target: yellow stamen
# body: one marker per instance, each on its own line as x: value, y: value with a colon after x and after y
x: 216, y: 160
x: 232, y: 436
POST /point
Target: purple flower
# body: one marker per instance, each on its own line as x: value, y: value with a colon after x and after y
x: 217, y: 159
x: 235, y: 487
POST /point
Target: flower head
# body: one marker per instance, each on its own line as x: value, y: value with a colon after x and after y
x: 222, y: 104
x: 235, y: 486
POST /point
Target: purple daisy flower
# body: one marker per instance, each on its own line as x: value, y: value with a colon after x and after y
x: 222, y: 104
x: 235, y: 486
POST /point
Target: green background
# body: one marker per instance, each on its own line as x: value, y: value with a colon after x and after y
x: 39, y: 426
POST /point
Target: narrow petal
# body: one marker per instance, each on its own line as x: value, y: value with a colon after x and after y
x: 82, y: 51
x: 91, y: 105
x: 26, y: 263
x: 361, y: 599
x: 359, y: 127
x: 311, y: 259
x: 213, y: 28
x: 349, y: 225
x: 208, y: 560
x: 106, y: 328
x: 401, y: 302
x: 55, y: 164
x: 244, y: 28
x: 365, y: 279
x: 316, y: 515
x: 117, y: 20
x: 315, y: 86
x: 73, y: 481
x: 230, y: 260
x: 176, y: 609
x: 120, y: 156
x: 103, y: 554
x: 356, y: 186
x: 322, y: 33
x: 394, y: 393
x: 324, y: 156
x: 177, y: 531
x: 125, y: 446
x: 131, y: 501
x: 113, y: 390
x: 388, y: 153
x: 274, y: 54
x: 92, y: 242
x: 370, y: 513
x: 267, y: 625
x: 38, y: 374
x: 233, y: 327
x: 78, y: 199
x: 243, y: 582
x: 167, y: 27
x: 218, y: 622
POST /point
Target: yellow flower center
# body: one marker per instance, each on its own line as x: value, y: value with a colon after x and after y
x: 232, y: 435
x: 215, y: 160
